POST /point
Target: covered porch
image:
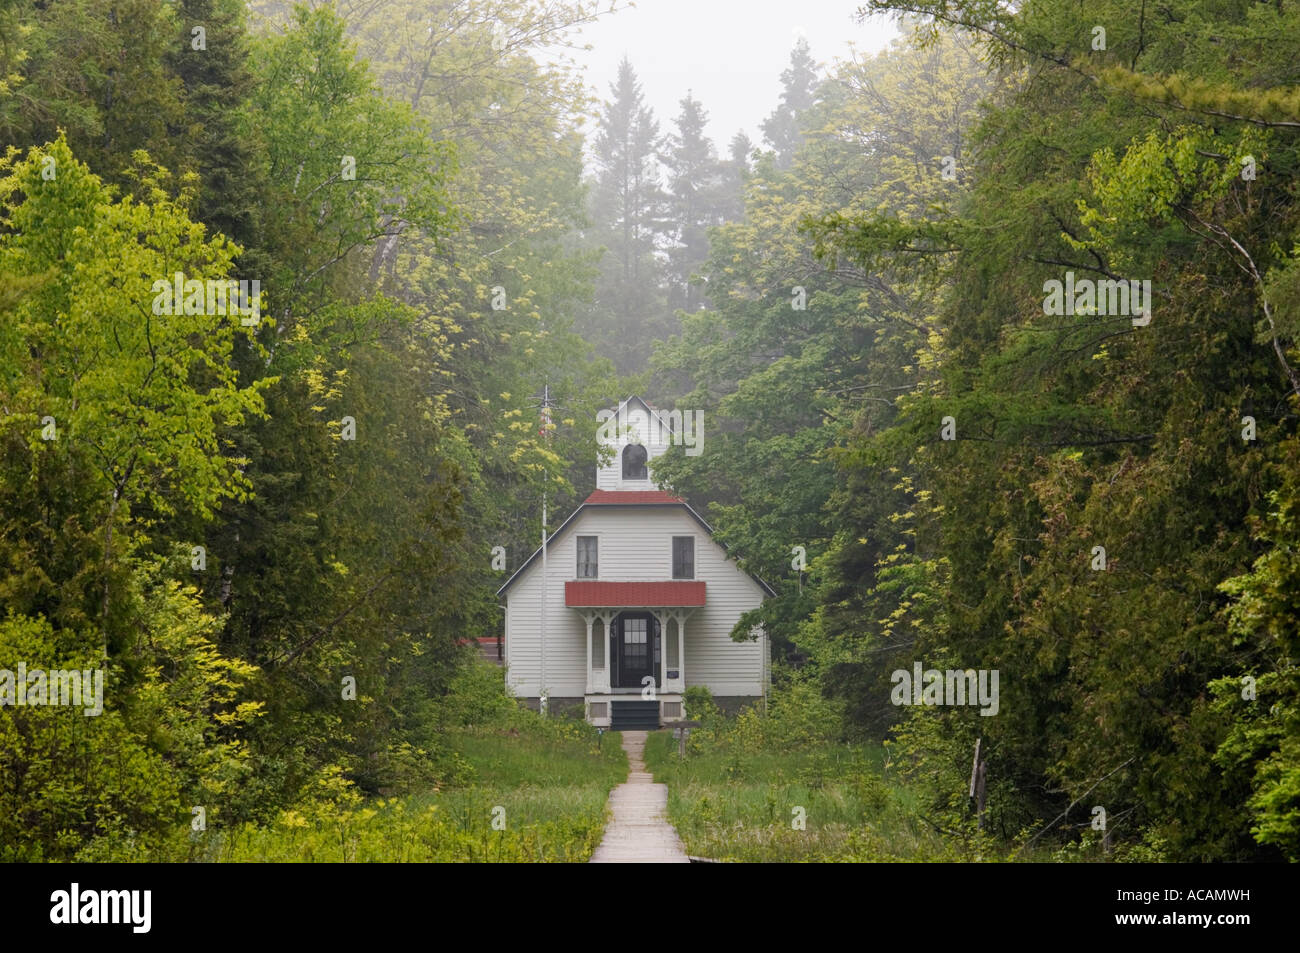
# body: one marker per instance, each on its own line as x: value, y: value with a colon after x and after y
x: 636, y: 647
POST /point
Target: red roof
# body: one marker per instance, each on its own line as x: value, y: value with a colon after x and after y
x: 587, y: 593
x: 631, y: 496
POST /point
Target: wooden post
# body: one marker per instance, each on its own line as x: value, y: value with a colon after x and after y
x: 974, y: 769
x: 978, y: 775
x: 682, y: 731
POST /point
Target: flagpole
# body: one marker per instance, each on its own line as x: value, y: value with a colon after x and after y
x: 542, y: 702
x: 545, y: 585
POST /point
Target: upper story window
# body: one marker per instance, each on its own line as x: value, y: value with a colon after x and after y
x: 683, y: 557
x: 587, y: 557
x: 634, y: 462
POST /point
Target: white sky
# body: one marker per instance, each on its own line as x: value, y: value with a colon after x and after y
x: 728, y: 53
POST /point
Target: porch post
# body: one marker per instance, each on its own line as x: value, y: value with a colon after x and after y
x: 681, y: 649
x: 587, y: 616
x: 602, y: 684
x: 662, y: 618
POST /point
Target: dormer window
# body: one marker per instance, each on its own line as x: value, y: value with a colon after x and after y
x: 634, y: 462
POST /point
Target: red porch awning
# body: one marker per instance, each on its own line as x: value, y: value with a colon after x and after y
x: 586, y: 593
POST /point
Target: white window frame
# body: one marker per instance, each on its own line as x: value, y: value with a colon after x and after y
x: 577, y: 554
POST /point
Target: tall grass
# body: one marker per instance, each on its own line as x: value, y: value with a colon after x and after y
x: 783, y: 786
x: 545, y: 790
x: 818, y: 802
x: 510, y: 786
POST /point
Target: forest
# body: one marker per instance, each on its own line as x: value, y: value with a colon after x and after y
x: 995, y: 335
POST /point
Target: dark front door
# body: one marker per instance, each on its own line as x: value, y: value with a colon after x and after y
x: 635, y: 649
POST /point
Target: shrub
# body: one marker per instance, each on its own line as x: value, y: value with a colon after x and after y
x: 106, y: 786
x: 699, y: 706
x: 477, y: 696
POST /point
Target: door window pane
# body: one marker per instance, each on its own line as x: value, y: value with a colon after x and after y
x: 635, y: 647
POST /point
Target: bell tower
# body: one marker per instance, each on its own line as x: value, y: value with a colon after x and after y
x: 637, y: 434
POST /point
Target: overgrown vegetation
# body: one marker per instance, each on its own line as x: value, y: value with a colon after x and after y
x: 1097, y: 505
x: 503, y: 786
x: 784, y: 787
x: 270, y: 535
x: 272, y: 538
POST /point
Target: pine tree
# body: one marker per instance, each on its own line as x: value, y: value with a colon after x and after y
x: 694, y: 191
x: 733, y: 174
x: 781, y: 130
x: 629, y: 208
x: 217, y: 84
x: 96, y: 70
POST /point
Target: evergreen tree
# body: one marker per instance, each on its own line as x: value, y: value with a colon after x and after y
x: 694, y: 180
x: 733, y: 174
x: 783, y: 129
x: 96, y: 70
x: 217, y: 84
x: 629, y: 206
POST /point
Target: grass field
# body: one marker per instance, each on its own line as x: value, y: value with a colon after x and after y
x: 811, y: 803
x: 545, y: 786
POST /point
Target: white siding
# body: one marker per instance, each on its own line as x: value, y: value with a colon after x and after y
x: 566, y: 653
x: 635, y: 546
x: 610, y: 476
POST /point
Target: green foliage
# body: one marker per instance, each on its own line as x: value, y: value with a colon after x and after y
x: 73, y: 76
x: 121, y: 378
x: 320, y: 106
x: 1262, y: 705
x: 787, y: 388
x: 748, y: 783
x: 169, y: 736
x: 545, y: 775
x: 784, y: 129
x: 320, y: 557
x: 698, y: 705
x: 1084, y: 431
x: 180, y: 509
x: 476, y: 696
x: 629, y: 311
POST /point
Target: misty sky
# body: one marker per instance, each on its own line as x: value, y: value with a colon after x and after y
x: 729, y: 53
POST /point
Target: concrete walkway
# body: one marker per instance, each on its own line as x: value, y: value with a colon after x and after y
x: 639, y: 832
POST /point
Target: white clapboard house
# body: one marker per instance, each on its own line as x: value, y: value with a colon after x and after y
x: 631, y: 600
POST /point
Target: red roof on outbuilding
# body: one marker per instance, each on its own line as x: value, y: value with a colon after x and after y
x: 632, y: 496
x: 585, y: 593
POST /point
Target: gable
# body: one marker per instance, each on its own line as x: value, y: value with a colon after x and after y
x: 635, y: 434
x: 648, y: 420
x: 623, y: 525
